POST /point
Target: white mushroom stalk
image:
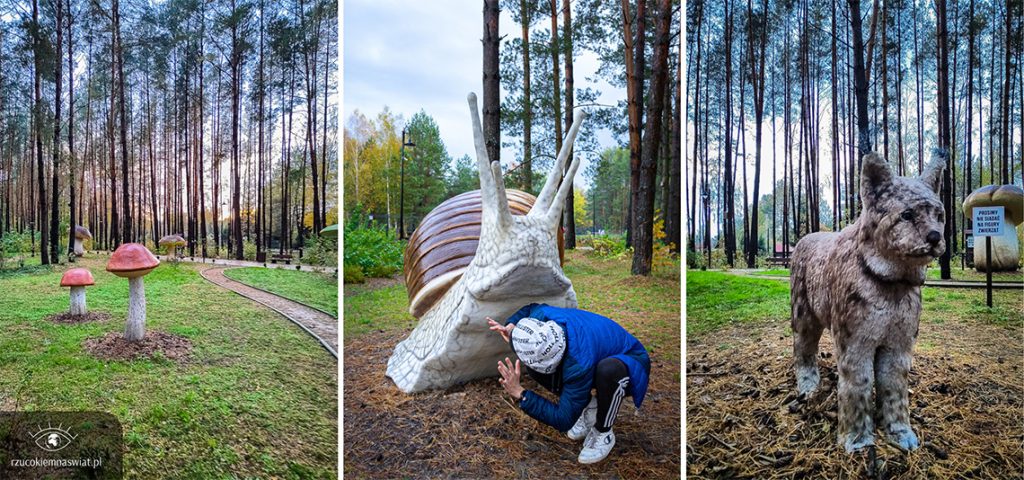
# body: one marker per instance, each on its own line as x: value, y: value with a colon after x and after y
x: 133, y: 261
x: 77, y: 279
x: 135, y: 327
x: 78, y: 306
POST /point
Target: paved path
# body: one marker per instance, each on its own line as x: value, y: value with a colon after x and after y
x: 320, y: 325
x: 996, y: 285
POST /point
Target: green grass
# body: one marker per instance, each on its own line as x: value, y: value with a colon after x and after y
x: 377, y: 309
x: 973, y: 275
x: 715, y: 300
x: 647, y: 307
x: 933, y: 274
x: 319, y: 290
x: 257, y: 399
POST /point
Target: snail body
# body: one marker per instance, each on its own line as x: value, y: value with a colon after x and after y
x: 464, y: 264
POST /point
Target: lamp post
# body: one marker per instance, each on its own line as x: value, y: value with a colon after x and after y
x: 401, y: 208
x: 705, y: 195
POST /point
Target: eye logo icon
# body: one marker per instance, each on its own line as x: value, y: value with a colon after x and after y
x: 52, y: 438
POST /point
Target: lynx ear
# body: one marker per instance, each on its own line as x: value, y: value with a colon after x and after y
x: 875, y: 173
x: 932, y: 173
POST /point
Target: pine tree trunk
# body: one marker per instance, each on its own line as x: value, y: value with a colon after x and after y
x: 491, y: 82
x: 643, y: 214
x: 526, y: 12
x: 40, y: 214
x: 569, y: 214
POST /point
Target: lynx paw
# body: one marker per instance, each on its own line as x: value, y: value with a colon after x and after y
x: 807, y: 380
x: 856, y: 441
x: 903, y: 436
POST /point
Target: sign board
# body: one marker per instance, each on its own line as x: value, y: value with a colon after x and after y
x: 988, y: 221
x: 970, y: 241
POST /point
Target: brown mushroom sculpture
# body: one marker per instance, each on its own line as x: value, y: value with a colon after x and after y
x: 133, y: 261
x: 1005, y: 248
x: 171, y: 243
x: 77, y: 279
x: 81, y: 234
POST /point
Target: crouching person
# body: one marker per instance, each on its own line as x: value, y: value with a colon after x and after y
x: 571, y: 353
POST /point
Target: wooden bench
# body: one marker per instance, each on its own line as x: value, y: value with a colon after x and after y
x: 778, y: 261
x: 286, y: 258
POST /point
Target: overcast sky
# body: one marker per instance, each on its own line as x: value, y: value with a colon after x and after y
x: 428, y: 55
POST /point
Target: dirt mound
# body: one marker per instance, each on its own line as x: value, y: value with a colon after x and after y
x: 744, y: 421
x: 473, y: 431
x: 113, y: 346
x: 69, y: 319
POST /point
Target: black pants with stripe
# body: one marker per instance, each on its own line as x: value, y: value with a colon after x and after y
x: 611, y: 379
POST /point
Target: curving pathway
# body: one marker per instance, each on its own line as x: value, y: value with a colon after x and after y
x: 320, y: 325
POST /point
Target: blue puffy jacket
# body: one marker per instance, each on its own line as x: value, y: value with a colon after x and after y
x: 590, y: 338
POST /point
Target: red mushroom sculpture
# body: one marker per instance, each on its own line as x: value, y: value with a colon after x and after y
x: 77, y: 279
x: 133, y: 261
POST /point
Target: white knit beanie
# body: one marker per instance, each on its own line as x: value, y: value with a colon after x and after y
x: 540, y: 345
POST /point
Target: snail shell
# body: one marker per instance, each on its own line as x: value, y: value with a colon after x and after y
x: 445, y: 243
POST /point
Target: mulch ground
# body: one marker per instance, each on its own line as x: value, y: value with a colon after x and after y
x: 113, y: 346
x: 67, y: 318
x: 744, y: 421
x: 474, y: 431
x: 372, y: 283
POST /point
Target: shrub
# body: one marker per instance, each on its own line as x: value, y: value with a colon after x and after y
x: 372, y: 249
x: 13, y: 245
x: 662, y: 256
x: 249, y: 250
x: 321, y: 251
x: 607, y: 246
x: 354, y: 274
x: 695, y: 260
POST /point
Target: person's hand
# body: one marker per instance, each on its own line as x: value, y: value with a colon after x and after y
x: 504, y: 331
x: 510, y: 378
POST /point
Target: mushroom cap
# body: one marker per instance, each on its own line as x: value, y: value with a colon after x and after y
x: 132, y: 260
x: 330, y: 231
x: 82, y: 233
x: 1009, y: 196
x: 173, y: 239
x: 77, y: 277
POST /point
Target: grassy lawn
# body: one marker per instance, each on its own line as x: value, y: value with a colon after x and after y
x: 317, y: 290
x: 970, y: 274
x: 257, y: 398
x: 648, y: 307
x: 956, y: 273
x: 716, y: 299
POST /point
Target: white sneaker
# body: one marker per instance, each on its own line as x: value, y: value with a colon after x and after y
x: 597, y: 446
x: 586, y: 421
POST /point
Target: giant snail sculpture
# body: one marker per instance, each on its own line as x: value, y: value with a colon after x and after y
x: 454, y: 288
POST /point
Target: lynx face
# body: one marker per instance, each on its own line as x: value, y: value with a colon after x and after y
x: 905, y: 217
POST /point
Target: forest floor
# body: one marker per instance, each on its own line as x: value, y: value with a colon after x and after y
x: 743, y: 421
x: 472, y: 430
x: 252, y: 396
